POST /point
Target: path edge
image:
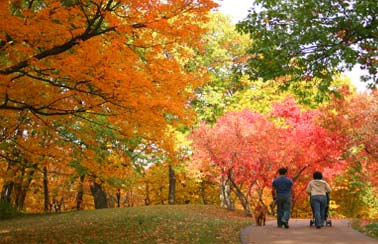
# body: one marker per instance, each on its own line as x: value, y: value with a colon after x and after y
x: 244, y: 234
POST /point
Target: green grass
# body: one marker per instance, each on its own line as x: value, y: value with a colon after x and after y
x: 368, y: 227
x: 154, y: 224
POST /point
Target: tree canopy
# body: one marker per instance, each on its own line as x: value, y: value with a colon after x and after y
x: 93, y: 85
x: 121, y: 59
x: 248, y: 147
x: 97, y: 99
x: 302, y: 40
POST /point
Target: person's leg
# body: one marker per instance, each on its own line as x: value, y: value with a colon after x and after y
x: 279, y: 212
x: 286, y: 205
x: 315, y: 203
x: 313, y: 213
x: 322, y: 202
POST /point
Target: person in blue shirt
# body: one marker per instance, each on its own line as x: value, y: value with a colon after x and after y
x: 281, y: 192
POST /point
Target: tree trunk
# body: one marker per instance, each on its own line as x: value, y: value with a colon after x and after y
x: 147, y: 200
x: 118, y: 195
x: 46, y: 190
x: 6, y: 192
x: 20, y: 203
x: 18, y: 187
x: 203, y: 192
x: 242, y: 197
x: 80, y: 193
x: 225, y: 195
x: 172, y: 186
x: 243, y: 200
x: 99, y: 196
x: 129, y: 199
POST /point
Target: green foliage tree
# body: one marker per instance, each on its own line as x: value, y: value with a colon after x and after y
x: 301, y: 40
x: 223, y: 54
x: 354, y: 193
x: 259, y: 95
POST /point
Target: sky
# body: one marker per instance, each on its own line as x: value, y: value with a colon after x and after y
x: 238, y: 10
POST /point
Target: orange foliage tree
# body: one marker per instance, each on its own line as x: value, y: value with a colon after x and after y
x: 355, y: 115
x: 68, y: 65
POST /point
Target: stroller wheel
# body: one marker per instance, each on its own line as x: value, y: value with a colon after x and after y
x: 311, y: 223
x: 329, y: 223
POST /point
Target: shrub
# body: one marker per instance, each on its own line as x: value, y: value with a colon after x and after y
x: 7, y: 210
x: 368, y: 227
x: 372, y: 229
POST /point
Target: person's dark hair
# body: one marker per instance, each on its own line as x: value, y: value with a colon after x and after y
x: 282, y: 171
x: 317, y: 175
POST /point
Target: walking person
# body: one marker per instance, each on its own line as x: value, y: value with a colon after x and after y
x: 318, y: 190
x: 281, y: 192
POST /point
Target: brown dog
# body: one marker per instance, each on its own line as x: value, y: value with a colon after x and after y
x: 260, y: 215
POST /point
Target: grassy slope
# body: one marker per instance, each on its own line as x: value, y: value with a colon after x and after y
x: 154, y: 224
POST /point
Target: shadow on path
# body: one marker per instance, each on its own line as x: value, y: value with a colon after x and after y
x: 300, y: 232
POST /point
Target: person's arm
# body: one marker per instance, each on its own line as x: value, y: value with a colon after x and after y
x: 274, y: 193
x: 308, y: 189
x: 328, y: 188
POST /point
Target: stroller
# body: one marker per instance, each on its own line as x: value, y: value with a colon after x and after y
x: 328, y: 222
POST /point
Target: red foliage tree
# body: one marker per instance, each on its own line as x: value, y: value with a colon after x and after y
x: 308, y: 145
x: 239, y: 147
x: 249, y: 147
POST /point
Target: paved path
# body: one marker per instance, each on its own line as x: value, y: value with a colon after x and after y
x: 300, y: 232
